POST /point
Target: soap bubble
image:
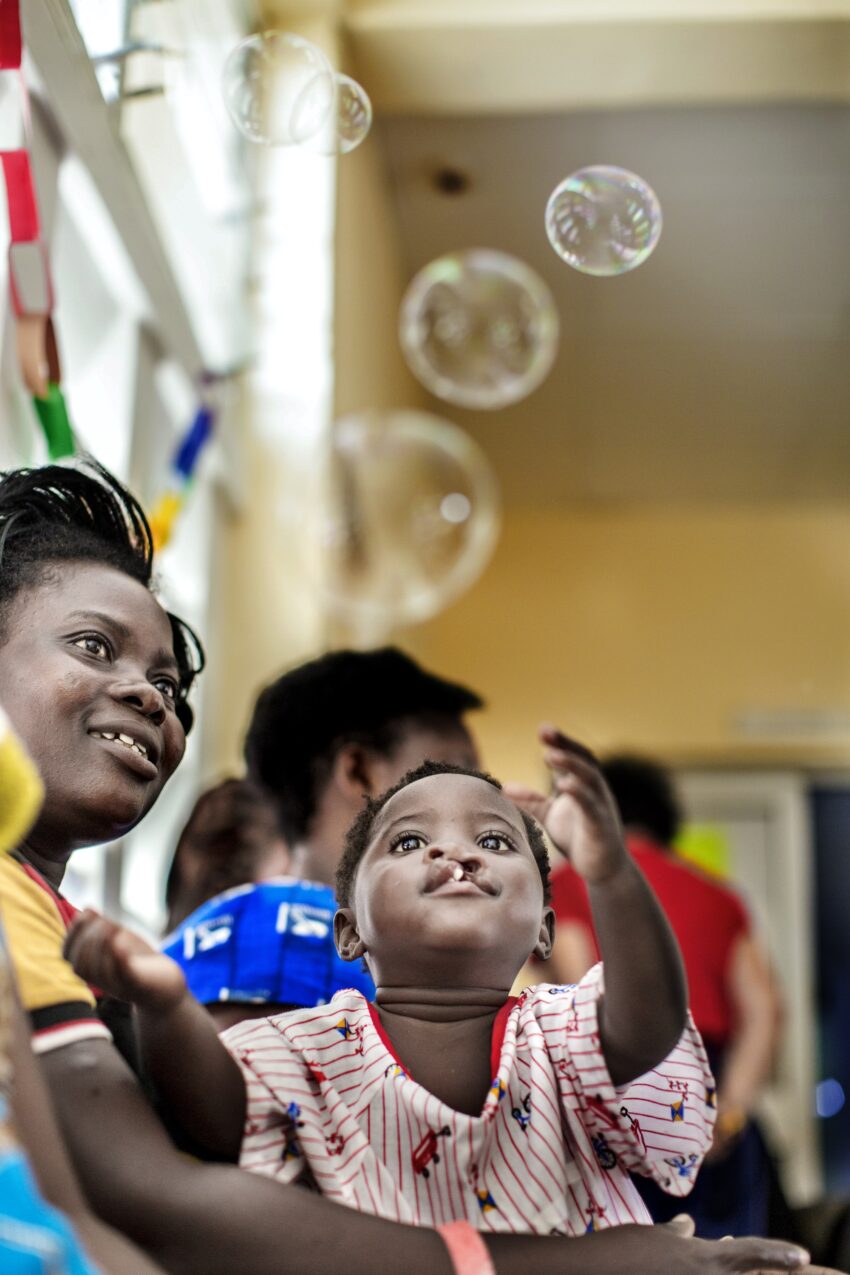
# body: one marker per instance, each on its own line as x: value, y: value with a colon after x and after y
x: 479, y: 328
x: 603, y: 220
x: 347, y: 122
x: 278, y: 88
x: 409, y: 517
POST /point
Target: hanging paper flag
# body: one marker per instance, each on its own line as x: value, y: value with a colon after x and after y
x: 30, y: 280
x: 53, y: 415
x: 10, y: 35
x: 183, y: 465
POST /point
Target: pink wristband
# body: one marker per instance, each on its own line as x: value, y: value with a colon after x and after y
x: 467, y: 1250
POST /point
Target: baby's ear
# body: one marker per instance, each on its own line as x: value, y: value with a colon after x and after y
x: 348, y: 941
x: 546, y: 937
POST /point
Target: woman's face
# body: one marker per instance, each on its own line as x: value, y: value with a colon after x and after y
x: 88, y: 678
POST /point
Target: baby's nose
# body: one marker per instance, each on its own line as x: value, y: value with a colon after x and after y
x: 453, y: 850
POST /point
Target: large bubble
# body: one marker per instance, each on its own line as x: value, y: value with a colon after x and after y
x: 409, y: 517
x: 279, y: 88
x: 603, y: 220
x: 479, y: 328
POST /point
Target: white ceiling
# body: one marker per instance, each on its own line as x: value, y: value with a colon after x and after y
x: 719, y: 369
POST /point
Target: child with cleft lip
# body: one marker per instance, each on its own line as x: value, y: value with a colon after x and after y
x: 448, y: 1103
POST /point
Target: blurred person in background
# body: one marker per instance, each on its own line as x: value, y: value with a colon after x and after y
x: 250, y: 895
x: 231, y: 838
x: 732, y: 994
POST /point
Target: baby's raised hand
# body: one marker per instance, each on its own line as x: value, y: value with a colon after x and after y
x: 112, y: 958
x: 579, y: 815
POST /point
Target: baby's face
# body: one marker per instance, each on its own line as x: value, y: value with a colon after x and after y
x: 449, y: 878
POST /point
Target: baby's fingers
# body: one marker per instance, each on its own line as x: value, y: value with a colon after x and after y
x: 552, y: 737
x: 85, y: 938
x: 98, y: 951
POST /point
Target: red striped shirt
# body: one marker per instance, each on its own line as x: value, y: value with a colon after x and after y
x: 550, y: 1152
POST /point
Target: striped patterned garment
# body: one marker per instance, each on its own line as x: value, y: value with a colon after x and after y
x: 331, y: 1106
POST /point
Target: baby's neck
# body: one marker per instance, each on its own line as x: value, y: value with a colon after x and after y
x: 443, y: 1038
x: 440, y: 1004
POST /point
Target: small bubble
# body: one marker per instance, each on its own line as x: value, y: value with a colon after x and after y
x: 278, y: 88
x: 603, y: 220
x: 348, y: 122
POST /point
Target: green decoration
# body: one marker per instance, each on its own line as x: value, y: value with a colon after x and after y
x: 53, y: 417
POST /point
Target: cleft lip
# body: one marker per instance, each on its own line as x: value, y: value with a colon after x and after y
x: 443, y: 871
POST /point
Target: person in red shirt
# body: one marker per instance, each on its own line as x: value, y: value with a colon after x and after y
x: 733, y: 995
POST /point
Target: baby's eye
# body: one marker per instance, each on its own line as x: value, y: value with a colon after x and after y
x: 92, y: 644
x: 167, y: 687
x: 495, y: 841
x: 405, y: 842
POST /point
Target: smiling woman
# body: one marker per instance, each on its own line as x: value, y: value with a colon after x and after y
x: 94, y: 675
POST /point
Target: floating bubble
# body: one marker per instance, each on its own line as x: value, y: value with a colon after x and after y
x: 603, y: 220
x: 479, y: 328
x: 278, y: 88
x: 409, y: 517
x: 348, y: 121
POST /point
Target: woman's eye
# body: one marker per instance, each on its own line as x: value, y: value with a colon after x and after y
x: 406, y: 842
x: 167, y: 687
x: 494, y: 841
x: 93, y: 645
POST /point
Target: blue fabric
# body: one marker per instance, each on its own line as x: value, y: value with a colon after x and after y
x: 267, y: 942
x: 34, y: 1238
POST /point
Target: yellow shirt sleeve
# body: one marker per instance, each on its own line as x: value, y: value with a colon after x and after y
x: 61, y: 1005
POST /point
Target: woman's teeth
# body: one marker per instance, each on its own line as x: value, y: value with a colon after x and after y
x: 127, y: 740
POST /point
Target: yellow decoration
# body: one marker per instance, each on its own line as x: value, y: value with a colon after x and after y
x: 163, y: 517
x: 21, y: 790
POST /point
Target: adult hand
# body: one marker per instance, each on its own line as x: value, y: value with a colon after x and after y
x: 672, y: 1249
x: 112, y: 958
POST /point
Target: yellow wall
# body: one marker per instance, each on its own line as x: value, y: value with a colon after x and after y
x: 654, y: 630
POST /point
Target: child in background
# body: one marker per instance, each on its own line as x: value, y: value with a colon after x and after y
x: 246, y: 951
x: 446, y: 1100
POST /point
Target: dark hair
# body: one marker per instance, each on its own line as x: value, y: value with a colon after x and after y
x: 301, y: 721
x: 357, y: 838
x: 80, y: 513
x: 644, y: 795
x: 228, y: 833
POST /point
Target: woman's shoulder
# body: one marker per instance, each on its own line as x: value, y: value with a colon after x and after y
x: 23, y: 892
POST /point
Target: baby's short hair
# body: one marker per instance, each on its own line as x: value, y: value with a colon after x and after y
x: 357, y: 838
